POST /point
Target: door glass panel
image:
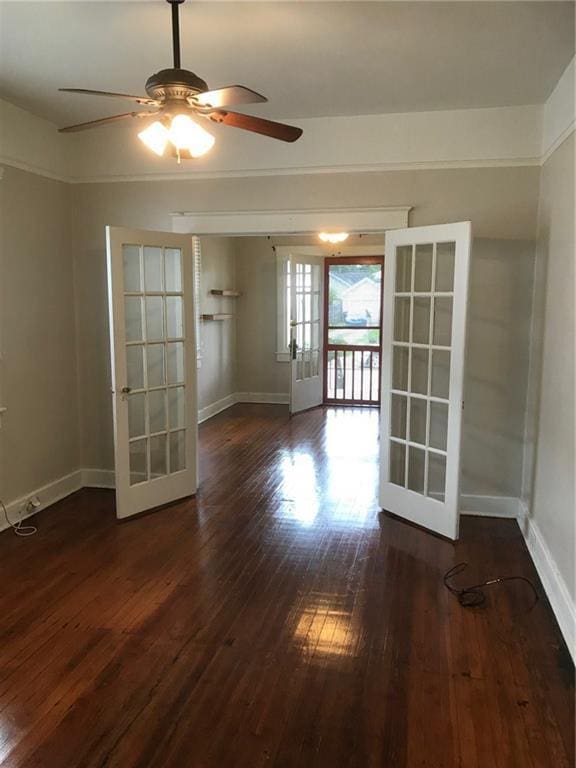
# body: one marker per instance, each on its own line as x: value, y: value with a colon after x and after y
x: 175, y: 362
x: 419, y: 382
x: 400, y: 358
x: 445, y: 253
x: 402, y: 319
x: 174, y: 322
x: 135, y: 367
x: 153, y: 268
x: 359, y: 336
x: 416, y: 458
x: 436, y: 476
x: 176, y: 407
x: 440, y: 373
x: 398, y: 416
x: 155, y: 365
x: 157, y: 456
x: 136, y: 414
x: 423, y: 268
x: 138, y: 461
x: 397, y: 462
x: 173, y: 266
x: 443, y: 321
x: 421, y: 322
x: 438, y: 425
x: 133, y: 318
x: 132, y: 268
x: 418, y: 410
x: 403, y: 268
x: 157, y: 410
x: 177, y: 451
x: 154, y: 318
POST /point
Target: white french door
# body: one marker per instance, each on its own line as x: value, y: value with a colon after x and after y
x: 153, y: 351
x: 306, y: 339
x: 425, y: 304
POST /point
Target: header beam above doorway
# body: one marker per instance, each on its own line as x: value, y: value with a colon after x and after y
x: 290, y: 222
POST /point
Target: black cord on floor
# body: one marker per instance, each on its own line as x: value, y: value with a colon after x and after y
x: 474, y: 595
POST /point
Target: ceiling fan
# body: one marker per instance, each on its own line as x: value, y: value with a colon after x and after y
x: 175, y: 96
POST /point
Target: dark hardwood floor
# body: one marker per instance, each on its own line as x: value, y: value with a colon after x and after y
x: 279, y: 619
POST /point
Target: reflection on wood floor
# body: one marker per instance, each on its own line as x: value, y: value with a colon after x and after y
x: 279, y: 619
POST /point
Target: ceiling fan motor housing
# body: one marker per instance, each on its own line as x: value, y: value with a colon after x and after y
x: 171, y: 84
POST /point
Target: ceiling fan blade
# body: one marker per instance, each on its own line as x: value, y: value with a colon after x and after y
x: 88, y: 92
x: 102, y: 121
x: 257, y: 125
x: 231, y: 94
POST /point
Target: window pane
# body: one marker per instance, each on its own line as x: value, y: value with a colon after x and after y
x: 135, y: 367
x: 137, y: 414
x: 157, y: 456
x: 398, y: 416
x: 173, y: 266
x: 155, y: 365
x: 176, y: 401
x: 445, y: 253
x: 421, y: 321
x: 402, y: 319
x: 138, y: 462
x: 423, y: 267
x: 175, y: 362
x: 133, y: 318
x: 157, y: 410
x: 440, y: 373
x: 362, y: 337
x: 154, y: 318
x: 436, y: 476
x: 403, y: 268
x: 416, y: 469
x: 132, y: 270
x: 418, y: 410
x: 397, y: 463
x: 443, y: 321
x: 419, y: 382
x: 354, y: 294
x: 174, y: 321
x: 438, y: 425
x: 153, y: 268
x: 400, y: 359
x: 177, y: 451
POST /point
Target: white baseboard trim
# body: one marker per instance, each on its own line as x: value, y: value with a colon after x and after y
x: 220, y: 405
x: 47, y: 495
x: 279, y: 398
x: 491, y: 506
x: 554, y: 585
x: 98, y: 478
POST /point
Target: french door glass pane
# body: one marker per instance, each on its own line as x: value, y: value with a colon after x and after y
x: 173, y: 265
x: 445, y: 254
x: 398, y: 416
x: 175, y: 362
x: 176, y: 401
x: 157, y: 456
x: 154, y: 318
x: 403, y: 268
x: 157, y: 410
x: 153, y: 268
x: 397, y: 462
x: 400, y: 358
x: 402, y: 319
x: 423, y: 268
x: 174, y: 319
x: 436, y: 476
x: 137, y: 414
x: 438, y: 425
x: 132, y: 268
x: 442, y: 321
x: 416, y: 459
x: 418, y: 412
x: 177, y: 451
x: 155, y: 354
x: 440, y: 373
x: 419, y: 379
x: 138, y: 461
x: 135, y: 366
x: 421, y: 321
x: 133, y: 318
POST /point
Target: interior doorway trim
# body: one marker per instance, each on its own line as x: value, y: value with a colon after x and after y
x: 290, y: 222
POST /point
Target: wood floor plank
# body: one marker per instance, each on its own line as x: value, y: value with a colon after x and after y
x: 277, y: 619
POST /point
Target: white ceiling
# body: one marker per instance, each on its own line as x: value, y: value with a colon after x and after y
x: 311, y: 59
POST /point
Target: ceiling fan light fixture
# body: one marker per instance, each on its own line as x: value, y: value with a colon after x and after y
x: 155, y: 137
x: 333, y: 237
x: 185, y: 134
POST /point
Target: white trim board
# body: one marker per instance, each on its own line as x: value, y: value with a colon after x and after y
x: 562, y: 604
x: 47, y: 494
x: 292, y: 222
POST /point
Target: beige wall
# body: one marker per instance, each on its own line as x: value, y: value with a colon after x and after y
x: 550, y: 456
x: 501, y: 202
x: 39, y: 435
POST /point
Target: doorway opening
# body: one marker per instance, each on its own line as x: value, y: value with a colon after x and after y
x: 353, y: 329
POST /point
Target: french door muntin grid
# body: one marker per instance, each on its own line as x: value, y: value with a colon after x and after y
x: 306, y: 317
x: 410, y: 396
x: 160, y: 430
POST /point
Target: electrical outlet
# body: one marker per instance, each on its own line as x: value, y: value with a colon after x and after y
x: 32, y: 504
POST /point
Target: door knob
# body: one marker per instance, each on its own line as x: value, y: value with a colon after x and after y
x: 126, y: 390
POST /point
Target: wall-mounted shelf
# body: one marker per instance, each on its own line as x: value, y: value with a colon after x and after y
x: 218, y: 316
x: 230, y: 293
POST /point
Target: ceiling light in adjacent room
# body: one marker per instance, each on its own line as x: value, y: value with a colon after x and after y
x: 333, y: 237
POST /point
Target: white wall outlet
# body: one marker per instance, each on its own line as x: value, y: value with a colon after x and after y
x: 32, y: 504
